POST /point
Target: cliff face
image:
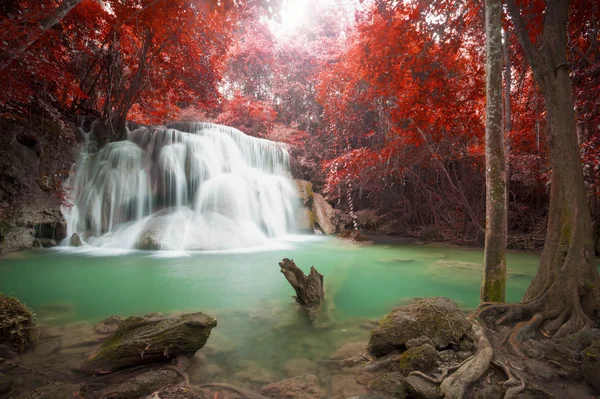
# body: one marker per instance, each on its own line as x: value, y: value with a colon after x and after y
x: 35, y: 155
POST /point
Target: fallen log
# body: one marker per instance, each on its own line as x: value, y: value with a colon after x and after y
x: 140, y: 340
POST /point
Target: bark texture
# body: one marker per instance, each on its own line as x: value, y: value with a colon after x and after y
x: 140, y: 340
x: 20, y: 45
x: 309, y: 289
x: 493, y: 286
x: 564, y: 293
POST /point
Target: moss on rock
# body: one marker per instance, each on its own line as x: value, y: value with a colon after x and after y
x: 17, y: 324
x: 420, y: 358
x: 389, y: 385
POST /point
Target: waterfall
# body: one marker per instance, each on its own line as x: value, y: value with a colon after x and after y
x: 184, y: 186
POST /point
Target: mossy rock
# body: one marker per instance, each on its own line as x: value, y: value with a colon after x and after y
x: 421, y: 358
x: 55, y: 390
x: 437, y: 318
x: 590, y: 366
x: 140, y: 340
x: 18, y: 328
x: 389, y: 385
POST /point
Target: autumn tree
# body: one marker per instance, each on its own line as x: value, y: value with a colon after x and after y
x: 564, y: 293
x: 493, y: 286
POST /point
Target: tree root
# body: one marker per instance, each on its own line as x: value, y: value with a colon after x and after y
x: 513, y: 386
x: 455, y: 386
x: 445, y: 371
x: 244, y: 392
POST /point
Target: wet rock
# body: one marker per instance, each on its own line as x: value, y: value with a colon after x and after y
x: 581, y: 339
x: 47, y: 348
x: 55, y: 390
x: 349, y: 350
x: 140, y: 341
x: 18, y: 329
x: 391, y: 385
x: 143, y: 384
x: 345, y: 385
x: 414, y: 342
x: 255, y: 374
x: 47, y: 242
x: 419, y: 388
x: 6, y: 383
x: 6, y: 352
x: 149, y: 240
x: 298, y: 367
x: 590, y: 366
x: 437, y: 318
x: 365, y: 378
x: 539, y: 370
x: 76, y: 240
x: 305, y: 387
x: 489, y: 392
x: 108, y: 325
x: 420, y: 358
x: 177, y: 392
x: 17, y: 239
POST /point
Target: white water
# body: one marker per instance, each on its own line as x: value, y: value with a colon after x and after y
x: 187, y: 186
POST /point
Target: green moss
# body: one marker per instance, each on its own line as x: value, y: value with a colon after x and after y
x: 494, y: 290
x: 311, y: 219
x: 17, y: 324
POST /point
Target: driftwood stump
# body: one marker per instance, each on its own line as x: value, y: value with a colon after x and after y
x: 309, y: 289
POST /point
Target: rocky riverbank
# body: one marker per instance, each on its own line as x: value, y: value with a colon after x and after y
x: 407, y: 355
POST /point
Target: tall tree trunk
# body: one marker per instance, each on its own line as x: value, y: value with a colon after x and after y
x: 507, y: 105
x: 20, y: 45
x: 565, y: 289
x: 493, y: 286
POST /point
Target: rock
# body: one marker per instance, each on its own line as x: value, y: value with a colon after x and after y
x: 55, y: 390
x: 414, y: 342
x: 390, y: 385
x: 47, y: 242
x: 255, y: 374
x: 437, y: 318
x: 143, y: 384
x: 489, y: 392
x: 365, y: 378
x: 590, y: 366
x: 109, y: 325
x: 305, y: 387
x: 149, y: 240
x: 305, y: 192
x: 18, y: 329
x: 6, y: 383
x: 539, y: 370
x: 298, y: 367
x: 177, y: 392
x: 448, y: 356
x: 76, y: 240
x: 305, y: 220
x: 420, y: 388
x: 349, y: 350
x: 47, y: 348
x: 420, y: 358
x: 345, y: 385
x: 354, y: 236
x: 323, y: 213
x: 54, y: 228
x: 140, y: 341
x: 6, y: 352
x: 466, y: 345
x: 17, y: 239
x: 581, y: 339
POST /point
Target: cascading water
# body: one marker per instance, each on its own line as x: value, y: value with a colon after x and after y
x: 186, y: 186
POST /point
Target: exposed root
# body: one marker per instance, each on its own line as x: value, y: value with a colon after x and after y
x: 523, y: 331
x: 444, y: 370
x: 514, y: 385
x: 241, y: 391
x: 455, y: 386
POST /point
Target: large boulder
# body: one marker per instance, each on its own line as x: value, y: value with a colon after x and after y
x: 18, y: 329
x: 323, y: 213
x: 305, y: 387
x: 437, y: 318
x: 140, y: 340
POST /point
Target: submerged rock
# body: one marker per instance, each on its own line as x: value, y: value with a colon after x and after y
x: 139, y: 341
x: 349, y: 350
x: 298, y: 367
x: 108, y: 325
x: 305, y: 387
x: 143, y: 384
x: 437, y: 318
x: 390, y: 385
x: 18, y: 329
x: 55, y: 390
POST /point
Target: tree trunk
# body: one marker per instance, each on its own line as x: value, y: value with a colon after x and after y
x: 20, y: 45
x: 493, y: 286
x: 309, y: 289
x: 565, y: 289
